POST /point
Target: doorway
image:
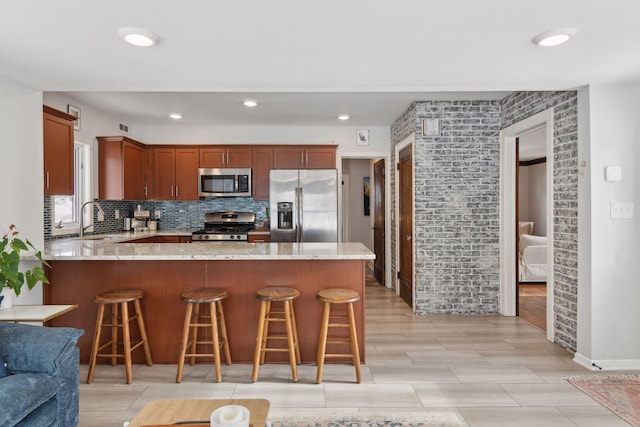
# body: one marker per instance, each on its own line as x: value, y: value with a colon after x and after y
x: 508, y: 244
x: 364, y: 206
x: 531, y: 231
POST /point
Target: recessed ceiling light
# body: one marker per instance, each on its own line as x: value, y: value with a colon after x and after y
x: 250, y: 103
x: 343, y: 117
x: 138, y: 37
x: 554, y: 37
x: 175, y: 116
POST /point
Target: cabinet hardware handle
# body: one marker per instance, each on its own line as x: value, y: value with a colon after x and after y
x: 177, y: 191
x: 47, y: 179
x: 302, y: 158
x: 227, y: 158
x: 307, y: 158
x: 146, y: 191
x: 172, y: 191
x: 223, y: 158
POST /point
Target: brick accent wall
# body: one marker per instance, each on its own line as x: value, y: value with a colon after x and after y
x: 517, y: 107
x: 456, y: 205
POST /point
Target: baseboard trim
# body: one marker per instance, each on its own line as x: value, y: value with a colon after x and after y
x: 607, y: 365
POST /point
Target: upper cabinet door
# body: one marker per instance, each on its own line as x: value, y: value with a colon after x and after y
x: 301, y: 157
x: 288, y: 157
x: 58, y: 153
x: 134, y: 171
x: 320, y: 158
x: 164, y: 173
x: 213, y: 157
x: 186, y: 174
x: 239, y: 157
x: 226, y: 157
x: 262, y: 164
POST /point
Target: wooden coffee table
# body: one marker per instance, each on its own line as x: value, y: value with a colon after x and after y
x: 167, y: 412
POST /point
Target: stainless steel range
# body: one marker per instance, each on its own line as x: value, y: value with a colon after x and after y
x: 225, y: 227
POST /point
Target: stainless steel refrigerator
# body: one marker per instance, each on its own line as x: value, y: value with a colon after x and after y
x: 304, y: 205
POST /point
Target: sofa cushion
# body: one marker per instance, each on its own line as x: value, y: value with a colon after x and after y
x: 21, y: 394
x: 28, y: 348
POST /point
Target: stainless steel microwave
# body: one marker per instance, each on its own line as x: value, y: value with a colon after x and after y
x: 226, y: 182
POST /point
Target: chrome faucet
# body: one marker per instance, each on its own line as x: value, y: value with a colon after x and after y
x: 82, y: 228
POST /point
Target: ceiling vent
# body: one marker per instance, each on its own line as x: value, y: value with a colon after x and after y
x: 123, y: 128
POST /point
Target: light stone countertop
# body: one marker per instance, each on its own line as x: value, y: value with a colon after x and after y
x: 115, y: 247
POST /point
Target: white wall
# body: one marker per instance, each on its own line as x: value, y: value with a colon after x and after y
x: 532, y: 198
x: 343, y: 136
x: 359, y: 228
x: 614, y: 251
x: 21, y: 157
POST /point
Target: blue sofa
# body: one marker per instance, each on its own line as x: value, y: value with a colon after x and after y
x: 42, y: 388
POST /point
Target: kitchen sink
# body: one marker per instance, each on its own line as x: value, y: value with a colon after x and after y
x: 101, y: 237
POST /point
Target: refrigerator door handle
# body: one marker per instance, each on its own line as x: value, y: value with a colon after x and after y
x: 299, y: 224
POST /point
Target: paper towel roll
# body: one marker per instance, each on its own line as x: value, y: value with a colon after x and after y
x: 230, y: 416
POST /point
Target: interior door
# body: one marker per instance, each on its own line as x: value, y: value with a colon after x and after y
x: 405, y: 186
x: 378, y: 220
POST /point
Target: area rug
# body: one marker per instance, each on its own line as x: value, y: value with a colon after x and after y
x: 428, y: 420
x: 619, y: 393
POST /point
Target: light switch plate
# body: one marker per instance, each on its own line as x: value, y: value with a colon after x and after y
x: 621, y: 210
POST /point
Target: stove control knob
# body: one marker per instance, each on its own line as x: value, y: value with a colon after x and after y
x: 206, y: 236
x: 237, y: 237
x: 233, y: 237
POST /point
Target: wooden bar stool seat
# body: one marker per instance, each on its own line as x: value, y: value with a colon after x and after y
x: 267, y: 296
x: 120, y: 319
x: 338, y: 296
x: 214, y: 320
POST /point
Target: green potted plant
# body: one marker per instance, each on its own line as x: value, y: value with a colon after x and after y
x: 11, y: 278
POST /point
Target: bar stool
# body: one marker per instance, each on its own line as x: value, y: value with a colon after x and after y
x: 287, y: 315
x: 338, y: 296
x: 119, y: 319
x: 194, y: 320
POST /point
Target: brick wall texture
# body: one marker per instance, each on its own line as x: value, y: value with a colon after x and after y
x: 515, y: 108
x: 456, y: 200
x: 457, y: 203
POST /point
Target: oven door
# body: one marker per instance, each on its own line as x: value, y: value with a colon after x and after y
x: 224, y: 182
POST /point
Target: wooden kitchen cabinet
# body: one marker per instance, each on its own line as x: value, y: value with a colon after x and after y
x: 175, y: 173
x: 304, y: 157
x: 122, y: 168
x: 226, y: 157
x: 58, y: 152
x: 259, y: 238
x: 148, y: 173
x: 262, y: 164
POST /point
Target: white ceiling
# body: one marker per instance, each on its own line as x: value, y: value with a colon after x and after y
x: 307, y: 61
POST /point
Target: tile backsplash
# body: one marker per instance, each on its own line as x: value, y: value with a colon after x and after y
x: 173, y: 215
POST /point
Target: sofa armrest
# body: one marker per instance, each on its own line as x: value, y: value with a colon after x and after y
x: 28, y: 348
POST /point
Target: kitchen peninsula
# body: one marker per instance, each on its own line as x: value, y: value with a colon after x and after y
x: 83, y: 268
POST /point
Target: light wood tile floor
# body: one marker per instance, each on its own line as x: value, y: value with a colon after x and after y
x: 485, y: 370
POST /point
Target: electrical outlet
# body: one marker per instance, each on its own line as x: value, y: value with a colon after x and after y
x: 157, y: 214
x: 117, y: 213
x: 100, y: 216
